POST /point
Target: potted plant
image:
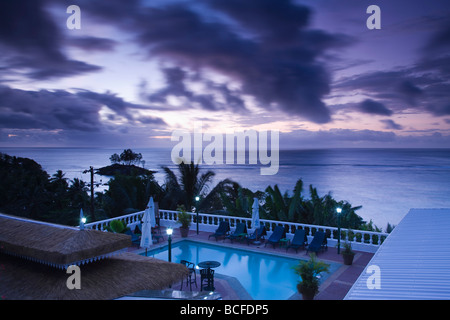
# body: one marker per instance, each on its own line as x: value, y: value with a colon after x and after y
x: 309, y: 270
x: 184, y: 219
x: 348, y: 253
x: 117, y: 226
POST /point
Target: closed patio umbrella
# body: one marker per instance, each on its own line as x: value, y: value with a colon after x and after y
x: 255, y: 213
x: 151, y: 209
x: 146, y: 237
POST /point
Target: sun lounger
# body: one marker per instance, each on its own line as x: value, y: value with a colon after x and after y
x: 222, y: 230
x: 299, y: 240
x: 135, y: 239
x: 258, y: 235
x: 276, y: 236
x: 319, y: 242
x: 239, y: 232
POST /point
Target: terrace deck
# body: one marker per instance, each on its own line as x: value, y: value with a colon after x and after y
x: 334, y: 288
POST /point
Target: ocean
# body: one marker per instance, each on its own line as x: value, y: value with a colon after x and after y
x: 385, y: 182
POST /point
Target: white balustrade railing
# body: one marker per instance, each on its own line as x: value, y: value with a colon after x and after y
x: 361, y: 240
x: 131, y: 219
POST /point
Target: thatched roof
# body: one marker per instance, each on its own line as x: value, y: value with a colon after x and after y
x: 59, y: 246
x: 55, y: 245
x: 110, y: 278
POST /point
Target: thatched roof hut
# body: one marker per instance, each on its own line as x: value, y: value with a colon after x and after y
x: 101, y: 280
x: 58, y: 246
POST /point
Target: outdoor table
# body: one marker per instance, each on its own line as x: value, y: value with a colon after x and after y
x: 242, y: 236
x: 209, y: 265
x: 284, y: 242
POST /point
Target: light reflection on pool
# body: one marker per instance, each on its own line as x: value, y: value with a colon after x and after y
x: 264, y: 276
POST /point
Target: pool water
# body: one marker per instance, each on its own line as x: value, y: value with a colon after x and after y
x: 264, y: 276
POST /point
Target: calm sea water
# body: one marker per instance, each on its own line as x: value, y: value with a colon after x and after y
x: 386, y: 182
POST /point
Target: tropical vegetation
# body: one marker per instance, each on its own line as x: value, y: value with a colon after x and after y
x: 27, y: 190
x: 309, y: 270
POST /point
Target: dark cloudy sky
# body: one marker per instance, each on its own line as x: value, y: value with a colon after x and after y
x: 137, y: 70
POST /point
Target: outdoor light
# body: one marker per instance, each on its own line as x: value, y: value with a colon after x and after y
x: 197, y: 199
x: 82, y: 219
x: 339, y: 210
x: 169, y: 240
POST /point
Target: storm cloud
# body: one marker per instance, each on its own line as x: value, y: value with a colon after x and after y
x: 31, y: 43
x: 269, y: 63
x: 374, y: 107
x: 422, y: 86
x: 264, y: 47
x: 61, y: 110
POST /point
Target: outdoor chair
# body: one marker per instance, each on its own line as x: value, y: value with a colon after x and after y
x: 207, y: 275
x: 276, y: 236
x: 221, y: 231
x: 155, y: 236
x: 319, y: 242
x: 138, y: 229
x: 192, y: 276
x: 241, y: 229
x: 135, y: 239
x: 299, y: 240
x: 257, y: 235
x: 156, y: 232
x: 157, y: 227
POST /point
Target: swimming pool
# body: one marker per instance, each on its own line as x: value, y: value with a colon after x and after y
x: 264, y: 276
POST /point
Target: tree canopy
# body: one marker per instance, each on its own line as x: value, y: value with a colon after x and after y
x: 29, y: 191
x: 127, y: 157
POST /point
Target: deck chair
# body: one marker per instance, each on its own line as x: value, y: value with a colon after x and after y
x: 208, y: 276
x: 257, y: 235
x: 221, y: 231
x: 135, y: 239
x: 241, y: 228
x: 276, y: 236
x: 298, y: 241
x: 319, y: 242
x: 191, y: 277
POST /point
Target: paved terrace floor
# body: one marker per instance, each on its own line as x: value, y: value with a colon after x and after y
x: 335, y: 287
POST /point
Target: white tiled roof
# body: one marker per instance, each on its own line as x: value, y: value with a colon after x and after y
x: 414, y: 260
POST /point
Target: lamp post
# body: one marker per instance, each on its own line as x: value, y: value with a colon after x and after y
x: 339, y: 210
x: 197, y: 199
x: 169, y: 240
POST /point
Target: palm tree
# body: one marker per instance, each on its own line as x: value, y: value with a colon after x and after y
x: 237, y: 200
x: 59, y: 187
x: 322, y: 211
x: 59, y: 180
x: 78, y: 193
x: 184, y: 188
x: 219, y: 200
x: 282, y: 206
